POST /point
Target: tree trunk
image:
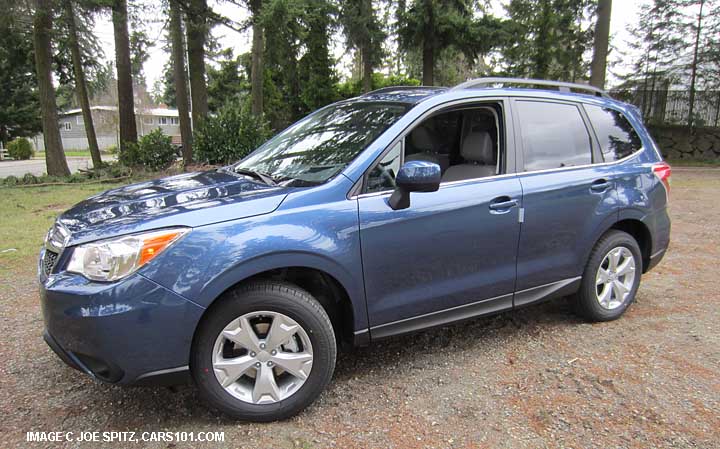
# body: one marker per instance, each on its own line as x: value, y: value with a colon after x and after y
x: 126, y: 100
x: 81, y: 85
x: 256, y: 67
x: 196, y: 35
x: 42, y: 27
x: 598, y: 67
x: 367, y: 68
x: 693, y: 68
x: 428, y: 56
x: 181, y: 95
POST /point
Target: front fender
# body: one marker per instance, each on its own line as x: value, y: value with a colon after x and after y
x: 248, y: 268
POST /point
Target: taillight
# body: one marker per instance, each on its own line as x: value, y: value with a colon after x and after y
x: 663, y: 171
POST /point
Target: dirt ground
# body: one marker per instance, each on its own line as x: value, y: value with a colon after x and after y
x: 536, y: 378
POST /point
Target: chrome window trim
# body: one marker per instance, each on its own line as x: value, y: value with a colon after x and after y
x: 507, y: 175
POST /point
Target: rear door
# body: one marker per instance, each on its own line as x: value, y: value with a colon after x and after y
x: 569, y: 194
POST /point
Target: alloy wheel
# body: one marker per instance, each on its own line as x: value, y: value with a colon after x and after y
x: 262, y: 357
x: 615, y: 278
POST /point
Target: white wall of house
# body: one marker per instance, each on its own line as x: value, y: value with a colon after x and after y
x: 72, y: 127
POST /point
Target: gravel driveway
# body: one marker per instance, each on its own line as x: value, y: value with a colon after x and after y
x: 539, y: 377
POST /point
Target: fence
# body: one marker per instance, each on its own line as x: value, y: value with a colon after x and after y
x: 673, y: 106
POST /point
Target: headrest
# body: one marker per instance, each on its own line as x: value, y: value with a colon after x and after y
x: 422, y: 139
x: 478, y: 147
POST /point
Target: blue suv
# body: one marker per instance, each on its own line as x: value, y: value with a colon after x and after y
x: 402, y: 209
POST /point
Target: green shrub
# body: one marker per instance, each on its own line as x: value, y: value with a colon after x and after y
x: 10, y: 180
x: 229, y: 135
x: 29, y: 178
x: 112, y: 149
x: 154, y: 151
x: 20, y: 149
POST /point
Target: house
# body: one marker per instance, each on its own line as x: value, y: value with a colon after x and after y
x: 105, y: 119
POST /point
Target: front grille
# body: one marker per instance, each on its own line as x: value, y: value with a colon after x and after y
x: 48, y: 262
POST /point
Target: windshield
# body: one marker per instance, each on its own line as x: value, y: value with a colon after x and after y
x: 318, y: 147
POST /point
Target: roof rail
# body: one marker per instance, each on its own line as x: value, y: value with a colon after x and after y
x: 394, y: 88
x: 560, y: 85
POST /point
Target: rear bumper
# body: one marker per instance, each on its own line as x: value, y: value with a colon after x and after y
x: 132, y: 331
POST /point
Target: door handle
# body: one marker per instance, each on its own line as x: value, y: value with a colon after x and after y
x: 600, y: 185
x: 502, y: 204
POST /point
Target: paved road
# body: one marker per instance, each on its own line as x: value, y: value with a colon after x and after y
x: 37, y: 166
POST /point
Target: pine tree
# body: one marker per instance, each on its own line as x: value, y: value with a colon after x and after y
x: 431, y: 26
x: 126, y: 101
x: 364, y: 33
x: 42, y: 31
x: 550, y: 39
x: 81, y: 89
x: 19, y: 103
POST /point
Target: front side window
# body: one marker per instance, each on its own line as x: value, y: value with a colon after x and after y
x: 382, y: 176
x: 617, y: 137
x: 554, y: 135
x: 318, y: 147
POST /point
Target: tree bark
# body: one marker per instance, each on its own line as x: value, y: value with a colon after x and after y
x: 42, y: 26
x: 693, y: 68
x: 428, y: 52
x: 367, y: 68
x: 256, y: 67
x: 126, y: 100
x: 428, y: 56
x: 598, y: 67
x: 180, y: 81
x: 81, y: 85
x: 196, y: 35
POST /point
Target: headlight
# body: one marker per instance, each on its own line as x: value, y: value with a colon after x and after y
x: 110, y: 260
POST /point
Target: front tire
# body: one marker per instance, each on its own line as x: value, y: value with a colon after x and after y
x: 264, y: 352
x: 611, y: 277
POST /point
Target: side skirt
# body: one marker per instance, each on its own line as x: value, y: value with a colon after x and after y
x: 473, y: 310
x: 433, y: 319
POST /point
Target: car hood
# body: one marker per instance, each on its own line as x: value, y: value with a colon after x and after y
x: 189, y: 199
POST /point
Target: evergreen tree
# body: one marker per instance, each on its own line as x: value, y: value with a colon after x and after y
x: 316, y: 67
x: 126, y: 101
x: 197, y: 20
x: 81, y: 89
x: 551, y: 37
x: 180, y: 80
x: 431, y: 26
x: 226, y: 82
x: 365, y: 34
x: 19, y: 103
x: 598, y: 67
x: 42, y: 31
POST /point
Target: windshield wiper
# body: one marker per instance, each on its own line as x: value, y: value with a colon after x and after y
x: 267, y: 179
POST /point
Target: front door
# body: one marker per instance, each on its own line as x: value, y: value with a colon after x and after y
x: 450, y: 255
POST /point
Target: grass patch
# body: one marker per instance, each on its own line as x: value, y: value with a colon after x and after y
x: 27, y: 214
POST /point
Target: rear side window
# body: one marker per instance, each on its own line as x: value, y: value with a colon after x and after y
x: 617, y: 137
x: 554, y: 135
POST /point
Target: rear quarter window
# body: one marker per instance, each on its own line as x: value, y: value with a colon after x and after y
x: 617, y: 137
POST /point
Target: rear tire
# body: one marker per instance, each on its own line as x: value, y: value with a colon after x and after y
x: 280, y: 370
x: 611, y: 277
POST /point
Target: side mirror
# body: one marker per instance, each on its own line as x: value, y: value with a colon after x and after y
x: 414, y: 176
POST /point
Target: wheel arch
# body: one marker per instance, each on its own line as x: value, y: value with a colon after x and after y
x: 641, y: 233
x: 338, y: 293
x: 634, y: 226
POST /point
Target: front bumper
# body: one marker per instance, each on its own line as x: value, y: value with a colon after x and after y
x: 123, y: 332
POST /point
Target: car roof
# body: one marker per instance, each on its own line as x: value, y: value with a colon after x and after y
x: 413, y: 95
